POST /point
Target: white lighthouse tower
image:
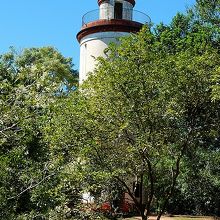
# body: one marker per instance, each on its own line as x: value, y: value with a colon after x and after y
x: 113, y: 19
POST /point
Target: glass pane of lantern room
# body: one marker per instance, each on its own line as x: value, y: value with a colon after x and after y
x: 118, y: 10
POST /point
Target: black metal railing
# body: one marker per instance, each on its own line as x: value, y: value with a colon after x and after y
x: 107, y: 14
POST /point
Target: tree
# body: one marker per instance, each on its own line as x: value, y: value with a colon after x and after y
x: 198, y: 184
x: 147, y: 106
x: 30, y: 174
x: 209, y: 11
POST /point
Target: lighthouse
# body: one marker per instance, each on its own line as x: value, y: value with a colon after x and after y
x: 113, y: 19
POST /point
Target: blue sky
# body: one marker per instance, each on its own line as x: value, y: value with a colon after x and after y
x: 37, y: 23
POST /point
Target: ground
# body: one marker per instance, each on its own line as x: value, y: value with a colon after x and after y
x: 178, y: 218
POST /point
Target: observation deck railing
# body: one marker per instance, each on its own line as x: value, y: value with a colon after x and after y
x: 128, y: 14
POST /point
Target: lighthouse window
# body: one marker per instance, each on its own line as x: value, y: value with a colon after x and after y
x: 118, y: 10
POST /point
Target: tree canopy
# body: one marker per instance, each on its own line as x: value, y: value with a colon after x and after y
x: 31, y: 81
x: 145, y: 124
x: 149, y: 107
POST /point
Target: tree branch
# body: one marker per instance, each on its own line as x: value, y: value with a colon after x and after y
x: 31, y: 186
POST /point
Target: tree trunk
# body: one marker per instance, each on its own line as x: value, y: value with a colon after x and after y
x: 144, y: 217
x: 175, y: 174
x: 159, y: 216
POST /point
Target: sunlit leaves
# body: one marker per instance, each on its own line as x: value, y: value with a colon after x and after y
x: 30, y: 82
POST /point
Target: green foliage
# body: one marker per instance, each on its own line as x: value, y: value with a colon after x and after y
x: 149, y: 112
x: 198, y: 184
x: 209, y: 11
x: 30, y: 175
x: 148, y: 106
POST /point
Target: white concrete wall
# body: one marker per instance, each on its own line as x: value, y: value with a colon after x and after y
x: 107, y: 10
x: 127, y: 10
x: 91, y: 47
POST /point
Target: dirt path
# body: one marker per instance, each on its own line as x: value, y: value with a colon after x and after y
x: 176, y: 218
